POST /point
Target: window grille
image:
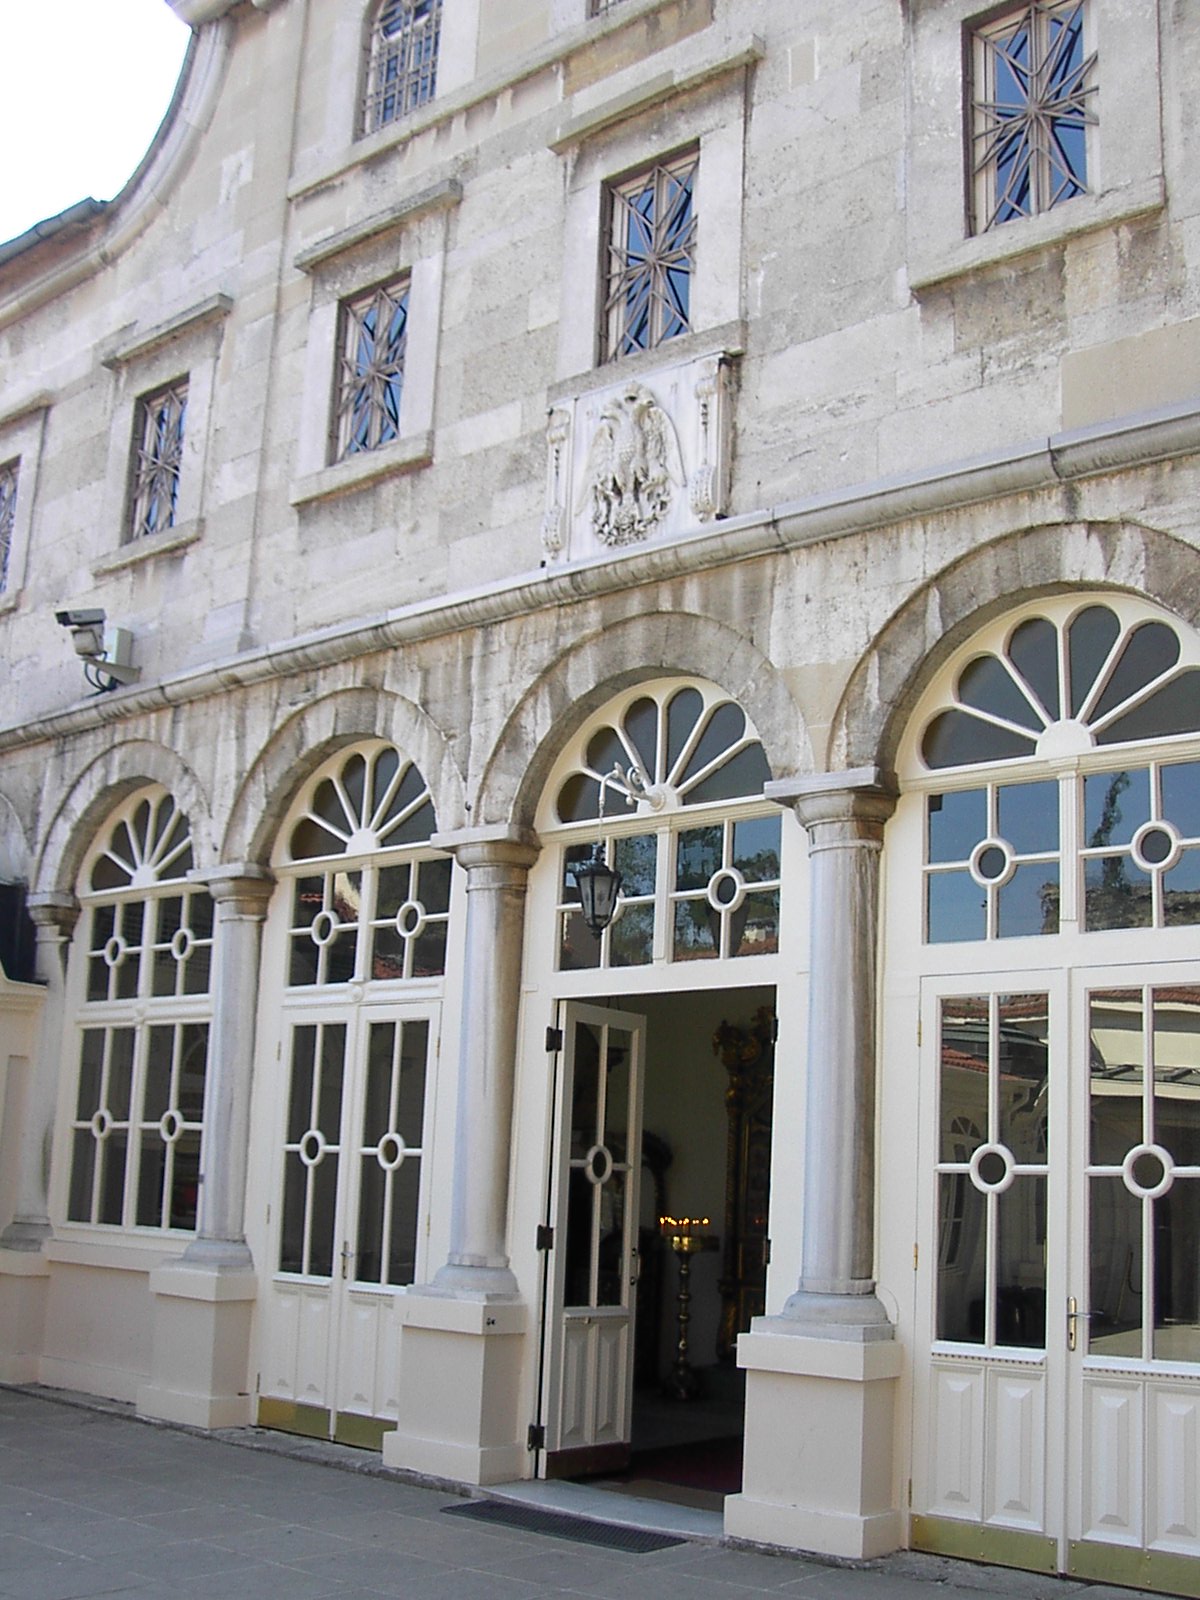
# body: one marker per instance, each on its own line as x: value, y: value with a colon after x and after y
x: 139, y: 1109
x: 599, y: 8
x: 158, y: 459
x: 374, y: 336
x: 402, y: 56
x: 652, y: 251
x: 1034, y: 86
x: 8, y: 517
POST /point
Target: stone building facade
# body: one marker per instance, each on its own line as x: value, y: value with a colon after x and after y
x: 751, y: 444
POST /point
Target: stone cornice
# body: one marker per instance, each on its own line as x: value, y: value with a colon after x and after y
x: 1127, y: 443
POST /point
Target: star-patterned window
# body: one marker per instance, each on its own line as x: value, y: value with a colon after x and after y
x: 651, y: 257
x: 402, y: 57
x: 374, y: 334
x: 8, y: 516
x: 1033, y: 101
x: 157, y: 460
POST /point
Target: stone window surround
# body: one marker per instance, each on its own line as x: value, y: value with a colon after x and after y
x: 22, y: 432
x: 184, y: 346
x: 1125, y: 158
x: 407, y: 241
x: 616, y: 139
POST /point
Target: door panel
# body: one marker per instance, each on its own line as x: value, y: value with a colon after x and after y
x: 592, y: 1286
x: 350, y: 1190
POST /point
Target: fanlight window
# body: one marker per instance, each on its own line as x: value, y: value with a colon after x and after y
x: 377, y: 916
x: 1113, y: 843
x: 698, y: 884
x: 139, y: 1105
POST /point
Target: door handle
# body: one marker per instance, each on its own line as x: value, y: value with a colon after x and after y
x: 1074, y: 1316
x: 347, y: 1258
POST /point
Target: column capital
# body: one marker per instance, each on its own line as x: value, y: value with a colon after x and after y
x: 497, y: 845
x: 53, y: 909
x: 241, y: 886
x: 848, y: 807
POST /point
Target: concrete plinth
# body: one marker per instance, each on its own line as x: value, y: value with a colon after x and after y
x: 819, y: 1425
x: 460, y: 1371
x: 24, y: 1280
x: 201, y: 1351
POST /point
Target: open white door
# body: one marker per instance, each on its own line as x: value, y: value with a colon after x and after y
x: 593, y: 1262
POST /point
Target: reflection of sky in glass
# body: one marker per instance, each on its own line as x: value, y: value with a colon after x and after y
x: 1181, y: 797
x: 1028, y: 902
x: 1028, y: 816
x: 957, y: 822
x: 956, y: 908
x: 1115, y: 804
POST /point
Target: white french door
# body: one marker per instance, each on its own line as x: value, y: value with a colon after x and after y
x: 1058, y: 1406
x: 347, y: 1216
x: 593, y: 1260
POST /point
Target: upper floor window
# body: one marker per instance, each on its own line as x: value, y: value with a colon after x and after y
x: 1032, y: 102
x: 8, y: 516
x: 651, y: 257
x: 374, y: 339
x: 402, y: 56
x: 144, y: 1021
x: 157, y: 460
x: 598, y: 8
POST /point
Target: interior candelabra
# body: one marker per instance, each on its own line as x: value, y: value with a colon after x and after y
x: 687, y: 1236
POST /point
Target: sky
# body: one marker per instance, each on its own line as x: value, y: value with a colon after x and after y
x: 86, y: 83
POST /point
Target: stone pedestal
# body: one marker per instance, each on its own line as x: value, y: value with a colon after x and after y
x: 203, y: 1303
x: 24, y: 1281
x: 460, y: 1381
x: 818, y: 1449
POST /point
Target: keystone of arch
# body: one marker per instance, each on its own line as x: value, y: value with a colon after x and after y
x: 997, y: 577
x: 582, y: 678
x: 98, y: 788
x: 300, y: 745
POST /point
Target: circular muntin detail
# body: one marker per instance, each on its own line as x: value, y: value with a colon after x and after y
x: 991, y: 1168
x: 1148, y: 1171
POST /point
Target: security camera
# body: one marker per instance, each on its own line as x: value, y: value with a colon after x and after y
x: 105, y: 651
x: 89, y: 618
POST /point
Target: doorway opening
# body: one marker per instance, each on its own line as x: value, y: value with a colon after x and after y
x: 644, y: 1396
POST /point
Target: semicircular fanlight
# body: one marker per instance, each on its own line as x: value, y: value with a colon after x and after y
x: 1112, y: 682
x: 375, y: 799
x: 152, y: 844
x: 689, y: 747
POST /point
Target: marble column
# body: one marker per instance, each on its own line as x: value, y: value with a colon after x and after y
x: 844, y: 815
x: 54, y: 915
x: 497, y: 863
x: 204, y: 1301
x: 240, y: 892
x: 463, y: 1337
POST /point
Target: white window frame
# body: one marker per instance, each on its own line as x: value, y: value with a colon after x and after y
x: 1125, y: 155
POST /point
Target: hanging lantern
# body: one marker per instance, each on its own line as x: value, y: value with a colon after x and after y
x: 598, y: 885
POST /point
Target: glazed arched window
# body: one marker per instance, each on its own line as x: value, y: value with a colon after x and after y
x: 139, y: 1103
x: 684, y: 824
x: 1062, y: 763
x: 370, y: 899
x: 402, y: 56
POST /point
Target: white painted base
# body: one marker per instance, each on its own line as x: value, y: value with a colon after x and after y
x: 460, y: 1369
x: 818, y: 1471
x: 24, y: 1278
x: 201, y: 1348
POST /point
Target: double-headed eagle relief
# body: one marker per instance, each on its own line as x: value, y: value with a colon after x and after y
x: 633, y: 468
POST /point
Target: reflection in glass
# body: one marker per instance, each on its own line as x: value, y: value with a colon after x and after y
x: 1020, y: 1311
x: 635, y: 856
x: 1115, y: 1258
x: 696, y: 926
x: 957, y: 822
x: 957, y: 908
x: 964, y: 1076
x: 1181, y: 797
x: 1181, y: 891
x: 1027, y: 817
x: 1115, y: 804
x: 1028, y: 903
x: 698, y: 856
x: 962, y: 1279
x: 1117, y: 894
x: 1024, y: 1076
x: 631, y: 939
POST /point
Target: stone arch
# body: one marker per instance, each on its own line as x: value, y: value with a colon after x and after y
x: 14, y: 845
x: 98, y: 788
x: 890, y: 677
x: 301, y: 744
x: 582, y: 677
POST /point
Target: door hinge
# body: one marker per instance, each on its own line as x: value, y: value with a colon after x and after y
x: 916, y: 1255
x: 775, y: 1030
x: 545, y: 1237
x: 554, y: 1040
x: 920, y: 1030
x: 910, y: 1494
x: 766, y: 1252
x: 535, y: 1439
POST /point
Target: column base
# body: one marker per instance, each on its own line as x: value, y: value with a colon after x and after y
x: 460, y: 1378
x: 818, y: 1471
x: 837, y: 1314
x: 24, y: 1281
x: 201, y: 1345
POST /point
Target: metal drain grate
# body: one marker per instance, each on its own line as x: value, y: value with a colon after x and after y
x: 560, y: 1525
